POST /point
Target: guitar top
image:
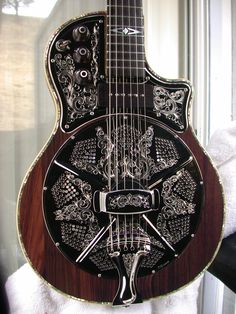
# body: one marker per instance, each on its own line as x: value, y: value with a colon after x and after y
x: 122, y: 204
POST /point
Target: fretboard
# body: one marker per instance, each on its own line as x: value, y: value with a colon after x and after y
x: 125, y: 39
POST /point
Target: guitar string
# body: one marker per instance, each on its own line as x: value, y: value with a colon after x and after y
x: 132, y: 126
x: 123, y: 92
x: 137, y: 84
x: 117, y: 123
x: 138, y: 115
x: 109, y: 90
x: 109, y: 115
x: 124, y: 120
x: 145, y: 117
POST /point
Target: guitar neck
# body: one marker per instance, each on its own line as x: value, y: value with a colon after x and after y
x: 125, y: 39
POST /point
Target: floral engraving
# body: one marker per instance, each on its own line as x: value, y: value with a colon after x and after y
x: 128, y: 260
x: 80, y: 99
x: 171, y: 105
x: 175, y: 205
x: 94, y: 45
x: 126, y: 153
x: 174, y: 219
x: 121, y: 201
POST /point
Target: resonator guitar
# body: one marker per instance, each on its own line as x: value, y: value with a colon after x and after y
x: 122, y: 204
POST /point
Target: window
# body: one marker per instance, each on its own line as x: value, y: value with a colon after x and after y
x: 184, y: 38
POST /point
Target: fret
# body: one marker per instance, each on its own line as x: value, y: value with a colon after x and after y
x: 125, y: 21
x: 124, y: 6
x: 114, y: 16
x: 135, y: 62
x: 113, y: 54
x: 117, y: 45
x: 128, y: 57
x: 127, y: 52
x: 128, y: 25
x: 127, y: 67
x: 124, y: 60
x: 127, y: 73
x: 126, y: 64
x: 122, y: 36
x: 127, y: 11
x: 131, y: 3
x: 126, y: 48
x: 125, y: 39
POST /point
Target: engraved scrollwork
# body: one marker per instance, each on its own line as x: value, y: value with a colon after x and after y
x: 174, y: 218
x: 68, y: 188
x: 87, y: 222
x: 128, y: 260
x: 79, y: 209
x: 121, y: 151
x: 170, y: 104
x: 94, y: 45
x: 121, y: 201
x: 162, y: 226
x: 73, y: 198
x: 80, y: 99
x: 73, y: 212
x: 126, y: 153
x: 174, y: 205
x: 105, y: 144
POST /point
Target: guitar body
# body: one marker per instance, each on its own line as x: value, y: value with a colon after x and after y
x: 122, y: 189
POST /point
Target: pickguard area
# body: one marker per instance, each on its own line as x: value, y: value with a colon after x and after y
x: 75, y: 62
x: 76, y: 71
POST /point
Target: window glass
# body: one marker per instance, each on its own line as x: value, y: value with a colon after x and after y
x: 27, y: 111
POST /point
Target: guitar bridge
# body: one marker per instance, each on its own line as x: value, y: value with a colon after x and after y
x: 126, y: 202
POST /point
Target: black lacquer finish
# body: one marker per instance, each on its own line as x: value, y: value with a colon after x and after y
x: 157, y: 160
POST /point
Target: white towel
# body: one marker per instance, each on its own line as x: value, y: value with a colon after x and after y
x: 28, y: 294
x: 222, y: 149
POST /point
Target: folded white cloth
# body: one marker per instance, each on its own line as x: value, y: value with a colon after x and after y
x: 222, y: 149
x: 28, y: 294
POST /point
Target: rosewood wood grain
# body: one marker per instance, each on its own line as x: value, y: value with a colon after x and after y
x: 49, y: 263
